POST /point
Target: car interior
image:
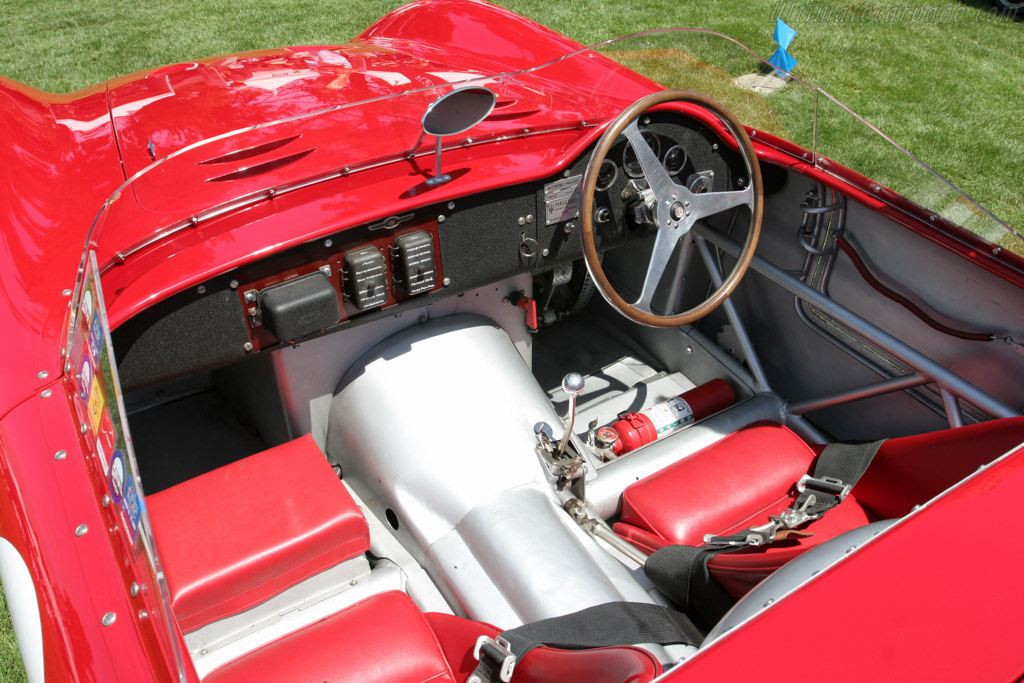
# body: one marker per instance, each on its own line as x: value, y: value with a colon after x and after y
x: 439, y: 426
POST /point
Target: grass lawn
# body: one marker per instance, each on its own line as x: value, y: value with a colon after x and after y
x: 946, y: 83
x: 11, y: 668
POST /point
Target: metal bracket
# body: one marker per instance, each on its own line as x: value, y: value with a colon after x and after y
x: 824, y: 485
x: 498, y: 649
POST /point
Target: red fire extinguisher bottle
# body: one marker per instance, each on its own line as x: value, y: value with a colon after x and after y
x: 637, y: 429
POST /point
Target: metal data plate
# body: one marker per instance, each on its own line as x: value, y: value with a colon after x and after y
x: 562, y: 199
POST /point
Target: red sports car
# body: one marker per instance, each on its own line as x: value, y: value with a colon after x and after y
x: 466, y: 352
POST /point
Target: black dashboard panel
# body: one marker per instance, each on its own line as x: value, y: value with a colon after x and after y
x: 489, y: 236
x: 190, y: 332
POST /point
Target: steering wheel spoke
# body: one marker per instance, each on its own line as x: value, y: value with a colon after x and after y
x: 707, y: 204
x: 657, y: 177
x: 664, y: 244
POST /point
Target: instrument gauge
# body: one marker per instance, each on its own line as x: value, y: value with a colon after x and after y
x: 607, y: 175
x: 675, y: 159
x: 629, y: 160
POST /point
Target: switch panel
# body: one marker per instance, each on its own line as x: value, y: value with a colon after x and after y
x: 366, y: 277
x: 415, y: 268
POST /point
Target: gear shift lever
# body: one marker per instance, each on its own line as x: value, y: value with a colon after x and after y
x: 572, y: 384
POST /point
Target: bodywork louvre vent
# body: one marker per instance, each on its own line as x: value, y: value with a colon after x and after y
x: 249, y: 152
x: 262, y: 167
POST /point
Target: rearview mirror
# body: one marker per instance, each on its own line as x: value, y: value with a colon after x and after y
x: 458, y: 111
x: 454, y: 113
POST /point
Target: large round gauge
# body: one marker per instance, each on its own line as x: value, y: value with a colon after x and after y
x: 629, y: 161
x: 675, y: 159
x: 607, y: 175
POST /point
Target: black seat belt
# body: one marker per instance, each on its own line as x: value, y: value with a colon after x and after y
x: 611, y: 624
x: 681, y: 571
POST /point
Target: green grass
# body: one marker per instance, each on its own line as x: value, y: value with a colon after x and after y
x: 11, y: 668
x: 948, y: 91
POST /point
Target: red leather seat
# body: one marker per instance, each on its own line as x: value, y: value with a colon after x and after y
x: 747, y: 476
x: 238, y: 535
x: 386, y: 638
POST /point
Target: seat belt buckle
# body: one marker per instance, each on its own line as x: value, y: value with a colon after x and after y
x: 498, y: 654
x: 796, y: 515
x: 754, y: 536
x: 824, y: 485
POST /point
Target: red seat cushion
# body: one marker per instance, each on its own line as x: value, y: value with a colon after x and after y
x: 728, y: 486
x: 382, y: 638
x: 233, y: 537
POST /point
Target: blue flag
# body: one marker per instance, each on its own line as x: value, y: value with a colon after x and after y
x: 781, y: 59
x: 783, y: 34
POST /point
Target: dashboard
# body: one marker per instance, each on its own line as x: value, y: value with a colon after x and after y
x: 401, y: 262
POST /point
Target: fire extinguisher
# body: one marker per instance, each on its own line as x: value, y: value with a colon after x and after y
x: 637, y: 429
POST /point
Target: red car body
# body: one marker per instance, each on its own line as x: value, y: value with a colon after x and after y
x: 939, y: 598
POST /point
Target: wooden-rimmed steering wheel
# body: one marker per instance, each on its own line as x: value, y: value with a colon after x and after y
x: 673, y: 207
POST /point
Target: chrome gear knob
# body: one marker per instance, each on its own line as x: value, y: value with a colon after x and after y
x: 572, y: 384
